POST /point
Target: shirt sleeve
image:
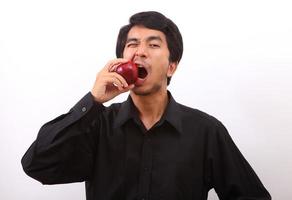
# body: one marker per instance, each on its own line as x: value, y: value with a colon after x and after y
x: 231, y: 175
x: 64, y: 149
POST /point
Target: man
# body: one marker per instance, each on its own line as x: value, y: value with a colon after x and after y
x: 148, y: 147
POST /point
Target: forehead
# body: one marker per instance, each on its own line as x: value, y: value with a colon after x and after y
x: 143, y: 33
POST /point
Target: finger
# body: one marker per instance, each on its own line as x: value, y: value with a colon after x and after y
x: 114, y: 80
x: 119, y: 87
x: 117, y: 77
x: 115, y: 63
x: 121, y: 79
x: 126, y: 89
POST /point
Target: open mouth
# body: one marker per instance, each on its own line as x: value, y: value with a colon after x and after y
x: 142, y: 72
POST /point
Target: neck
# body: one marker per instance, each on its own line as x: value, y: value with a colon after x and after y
x: 150, y: 107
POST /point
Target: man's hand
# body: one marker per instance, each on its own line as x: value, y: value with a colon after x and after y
x: 108, y: 83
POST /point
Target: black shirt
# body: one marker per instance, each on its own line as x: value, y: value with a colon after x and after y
x: 184, y: 155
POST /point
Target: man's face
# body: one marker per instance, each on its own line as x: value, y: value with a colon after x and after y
x: 148, y: 49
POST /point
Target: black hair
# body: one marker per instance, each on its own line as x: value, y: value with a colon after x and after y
x: 157, y: 21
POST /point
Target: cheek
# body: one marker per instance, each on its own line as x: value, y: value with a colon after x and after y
x: 162, y: 56
x: 128, y: 53
x: 162, y: 68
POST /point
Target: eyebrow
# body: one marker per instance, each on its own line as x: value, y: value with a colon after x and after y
x: 148, y: 39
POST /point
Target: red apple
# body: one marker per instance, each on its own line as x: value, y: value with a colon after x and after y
x: 129, y: 71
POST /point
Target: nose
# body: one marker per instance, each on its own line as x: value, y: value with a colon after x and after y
x: 141, y: 51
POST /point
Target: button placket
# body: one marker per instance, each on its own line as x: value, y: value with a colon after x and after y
x: 146, y: 166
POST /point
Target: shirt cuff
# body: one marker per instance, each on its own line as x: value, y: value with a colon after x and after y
x: 86, y: 104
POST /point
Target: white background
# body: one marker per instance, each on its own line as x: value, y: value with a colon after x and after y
x: 237, y: 66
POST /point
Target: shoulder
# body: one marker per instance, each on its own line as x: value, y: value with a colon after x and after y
x: 203, y: 125
x: 199, y: 117
x: 112, y: 108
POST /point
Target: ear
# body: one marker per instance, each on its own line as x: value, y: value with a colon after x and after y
x: 171, y: 68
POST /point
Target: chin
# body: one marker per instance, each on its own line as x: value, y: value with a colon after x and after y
x: 142, y: 91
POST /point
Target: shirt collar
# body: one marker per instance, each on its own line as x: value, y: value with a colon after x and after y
x: 172, y: 113
x: 126, y: 112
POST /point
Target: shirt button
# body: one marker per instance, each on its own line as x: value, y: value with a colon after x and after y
x: 83, y: 109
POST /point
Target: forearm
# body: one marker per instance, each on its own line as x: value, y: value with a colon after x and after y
x: 64, y: 149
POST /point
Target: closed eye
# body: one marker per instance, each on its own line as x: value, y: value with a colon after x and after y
x: 132, y: 45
